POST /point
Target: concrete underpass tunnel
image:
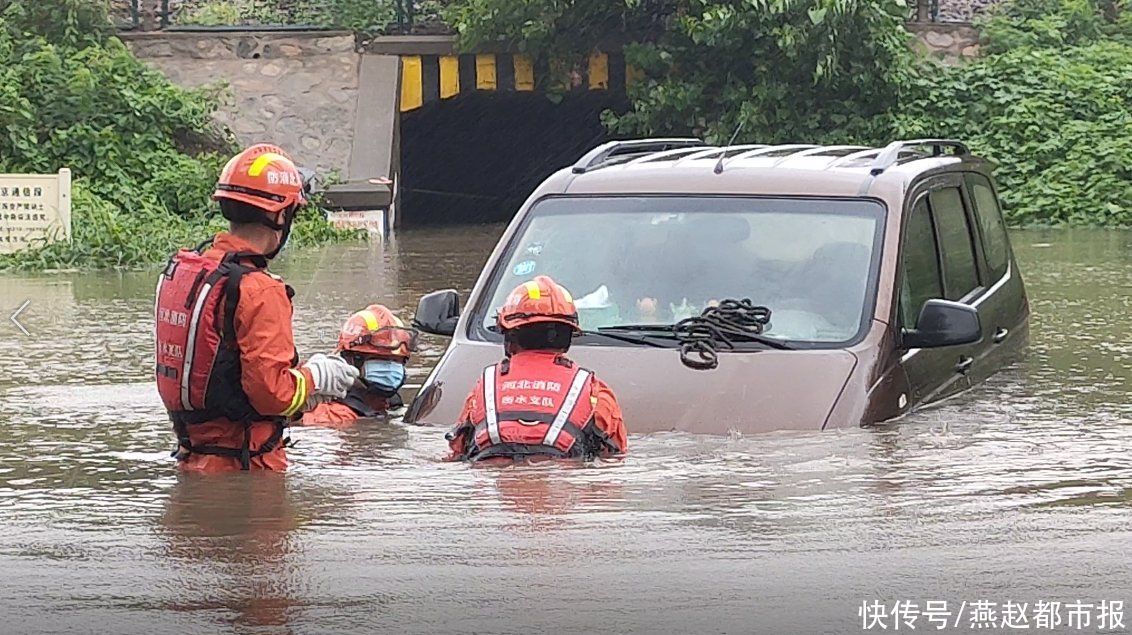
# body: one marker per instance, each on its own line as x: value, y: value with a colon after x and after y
x: 477, y: 156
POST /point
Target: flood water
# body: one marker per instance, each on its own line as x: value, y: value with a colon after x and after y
x: 1019, y: 490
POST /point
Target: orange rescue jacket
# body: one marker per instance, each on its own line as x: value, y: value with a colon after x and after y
x: 538, y: 403
x: 273, y: 386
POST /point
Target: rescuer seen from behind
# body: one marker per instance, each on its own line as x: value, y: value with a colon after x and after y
x: 227, y: 368
x: 537, y: 402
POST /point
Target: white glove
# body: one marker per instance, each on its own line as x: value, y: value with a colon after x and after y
x: 332, y: 375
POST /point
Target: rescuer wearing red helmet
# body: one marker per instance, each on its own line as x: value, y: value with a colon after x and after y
x: 227, y: 369
x: 536, y: 402
x: 378, y: 344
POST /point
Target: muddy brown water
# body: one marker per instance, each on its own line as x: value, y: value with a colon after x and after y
x: 1019, y: 490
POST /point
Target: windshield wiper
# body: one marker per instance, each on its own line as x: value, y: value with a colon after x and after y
x: 601, y: 332
x: 639, y: 340
x: 670, y: 331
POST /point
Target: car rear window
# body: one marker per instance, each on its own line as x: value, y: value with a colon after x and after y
x: 995, y: 243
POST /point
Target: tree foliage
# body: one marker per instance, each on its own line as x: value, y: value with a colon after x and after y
x: 1051, y: 104
x: 72, y: 95
x: 1049, y: 100
x: 789, y: 69
x: 369, y: 16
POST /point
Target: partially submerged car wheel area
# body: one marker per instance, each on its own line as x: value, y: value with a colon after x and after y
x: 880, y: 280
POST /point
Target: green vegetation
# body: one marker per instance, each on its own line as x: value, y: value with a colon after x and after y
x: 371, y: 16
x: 72, y: 95
x: 1050, y: 103
x: 1050, y: 100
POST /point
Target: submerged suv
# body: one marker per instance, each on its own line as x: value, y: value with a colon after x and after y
x: 887, y: 272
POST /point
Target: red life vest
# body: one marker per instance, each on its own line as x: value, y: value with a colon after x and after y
x: 198, y: 360
x: 534, y: 406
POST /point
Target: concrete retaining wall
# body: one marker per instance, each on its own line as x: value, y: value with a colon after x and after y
x: 299, y: 90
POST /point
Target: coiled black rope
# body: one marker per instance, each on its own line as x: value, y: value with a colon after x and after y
x: 721, y: 325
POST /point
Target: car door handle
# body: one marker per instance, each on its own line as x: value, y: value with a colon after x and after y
x: 964, y: 365
x: 1000, y: 335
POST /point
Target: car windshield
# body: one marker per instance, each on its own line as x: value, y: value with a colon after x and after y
x: 656, y: 260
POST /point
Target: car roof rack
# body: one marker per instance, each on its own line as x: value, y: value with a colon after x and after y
x: 891, y: 153
x: 818, y: 151
x: 712, y: 152
x: 680, y: 151
x: 618, y: 151
x: 675, y: 154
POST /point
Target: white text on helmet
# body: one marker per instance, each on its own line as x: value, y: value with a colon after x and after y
x: 275, y: 177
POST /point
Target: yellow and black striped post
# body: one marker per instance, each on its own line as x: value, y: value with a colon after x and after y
x: 430, y: 78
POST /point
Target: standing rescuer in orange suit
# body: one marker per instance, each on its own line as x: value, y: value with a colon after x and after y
x: 536, y: 402
x: 377, y: 343
x: 227, y: 369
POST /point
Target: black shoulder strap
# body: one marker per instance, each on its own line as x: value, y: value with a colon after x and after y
x: 204, y: 244
x: 232, y: 267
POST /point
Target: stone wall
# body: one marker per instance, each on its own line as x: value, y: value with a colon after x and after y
x: 951, y: 42
x: 298, y: 90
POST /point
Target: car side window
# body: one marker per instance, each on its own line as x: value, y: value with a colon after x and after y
x: 920, y: 265
x: 995, y: 243
x: 956, y: 245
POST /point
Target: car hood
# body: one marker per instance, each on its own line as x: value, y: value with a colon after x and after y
x: 749, y: 392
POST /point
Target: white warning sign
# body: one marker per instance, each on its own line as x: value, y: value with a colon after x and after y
x: 34, y: 209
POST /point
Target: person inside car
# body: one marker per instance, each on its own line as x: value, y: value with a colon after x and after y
x: 537, y: 402
x: 377, y: 343
x: 713, y: 264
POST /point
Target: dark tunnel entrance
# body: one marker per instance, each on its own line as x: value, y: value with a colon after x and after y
x: 476, y: 157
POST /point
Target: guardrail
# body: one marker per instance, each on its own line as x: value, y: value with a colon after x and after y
x: 375, y: 16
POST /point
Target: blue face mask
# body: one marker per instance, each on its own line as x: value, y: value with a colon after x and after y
x: 385, y: 376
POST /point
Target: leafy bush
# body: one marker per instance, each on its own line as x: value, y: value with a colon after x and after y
x: 1050, y: 24
x: 73, y: 95
x: 1057, y: 121
x: 370, y: 16
x: 107, y: 235
x: 1050, y: 101
x: 1051, y: 104
x: 789, y: 69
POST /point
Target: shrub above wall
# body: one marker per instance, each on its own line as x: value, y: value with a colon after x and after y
x: 1051, y: 103
x: 1048, y: 97
x: 140, y: 148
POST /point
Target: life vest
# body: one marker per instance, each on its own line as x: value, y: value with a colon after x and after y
x: 530, y: 408
x: 198, y: 360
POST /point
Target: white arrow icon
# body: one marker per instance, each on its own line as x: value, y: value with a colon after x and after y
x: 17, y: 314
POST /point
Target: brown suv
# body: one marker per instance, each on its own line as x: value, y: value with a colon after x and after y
x: 888, y: 276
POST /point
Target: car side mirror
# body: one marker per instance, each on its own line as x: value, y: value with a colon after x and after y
x: 944, y: 323
x: 438, y: 312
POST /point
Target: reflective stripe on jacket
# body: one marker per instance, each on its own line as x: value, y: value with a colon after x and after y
x: 239, y: 369
x: 537, y: 403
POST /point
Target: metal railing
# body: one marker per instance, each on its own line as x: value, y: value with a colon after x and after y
x: 950, y: 11
x: 376, y: 16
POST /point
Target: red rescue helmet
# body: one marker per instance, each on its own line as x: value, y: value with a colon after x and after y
x: 376, y: 331
x: 264, y: 176
x: 538, y: 301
